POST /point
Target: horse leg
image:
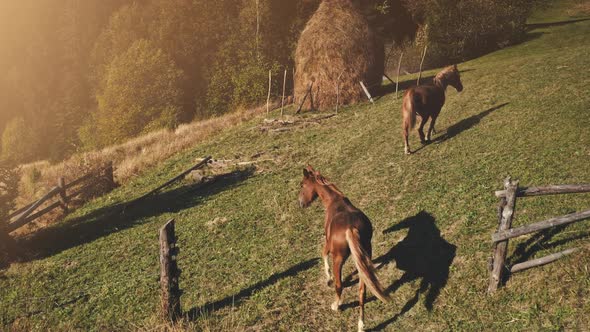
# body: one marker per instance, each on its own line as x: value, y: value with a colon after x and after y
x: 431, y: 128
x: 421, y: 129
x: 362, y: 294
x: 405, y: 133
x: 337, y: 261
x: 325, y: 254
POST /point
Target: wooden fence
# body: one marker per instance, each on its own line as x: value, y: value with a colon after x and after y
x: 26, y: 214
x: 169, y: 273
x: 505, y: 231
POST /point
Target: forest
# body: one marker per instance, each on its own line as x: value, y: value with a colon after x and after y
x: 88, y: 74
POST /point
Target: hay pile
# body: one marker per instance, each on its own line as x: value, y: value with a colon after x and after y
x: 337, y: 41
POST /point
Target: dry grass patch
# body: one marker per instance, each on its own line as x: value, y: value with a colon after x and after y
x: 129, y: 159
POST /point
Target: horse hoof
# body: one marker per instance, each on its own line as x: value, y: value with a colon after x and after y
x: 329, y: 282
x: 361, y: 326
x: 335, y: 306
x: 408, y: 152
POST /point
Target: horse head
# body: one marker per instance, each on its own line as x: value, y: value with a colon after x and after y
x: 308, y: 192
x: 454, y: 78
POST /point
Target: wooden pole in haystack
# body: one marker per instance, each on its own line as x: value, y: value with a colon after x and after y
x: 304, y: 98
x: 257, y: 23
x: 399, y: 66
x: 284, y: 85
x: 421, y: 63
x: 367, y: 92
x: 169, y: 273
x: 269, y: 86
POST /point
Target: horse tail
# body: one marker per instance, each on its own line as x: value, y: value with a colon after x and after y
x: 364, y: 265
x: 409, y: 109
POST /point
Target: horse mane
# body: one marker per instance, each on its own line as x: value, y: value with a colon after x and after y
x: 442, y: 76
x: 321, y: 180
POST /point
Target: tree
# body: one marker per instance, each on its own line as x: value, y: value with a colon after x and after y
x: 18, y: 141
x: 140, y: 92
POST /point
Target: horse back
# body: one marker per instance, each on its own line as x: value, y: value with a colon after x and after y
x: 428, y: 98
x: 348, y: 217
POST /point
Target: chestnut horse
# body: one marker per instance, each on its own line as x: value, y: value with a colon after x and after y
x: 347, y: 231
x: 427, y: 101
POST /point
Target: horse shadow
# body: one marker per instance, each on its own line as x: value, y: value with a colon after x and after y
x: 532, y: 26
x: 117, y: 217
x: 423, y: 255
x: 467, y: 123
x: 236, y: 299
x: 542, y: 240
x: 461, y: 126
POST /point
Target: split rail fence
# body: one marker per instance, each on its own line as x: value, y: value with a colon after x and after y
x: 26, y: 214
x: 505, y: 231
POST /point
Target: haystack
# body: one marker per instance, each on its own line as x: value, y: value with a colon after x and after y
x: 336, y: 42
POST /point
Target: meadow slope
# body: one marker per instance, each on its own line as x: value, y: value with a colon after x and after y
x: 249, y: 254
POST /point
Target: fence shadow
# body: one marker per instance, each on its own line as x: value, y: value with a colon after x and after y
x: 241, y: 296
x: 542, y: 240
x: 423, y: 254
x: 110, y: 219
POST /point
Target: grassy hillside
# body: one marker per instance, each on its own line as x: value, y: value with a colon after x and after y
x: 249, y: 254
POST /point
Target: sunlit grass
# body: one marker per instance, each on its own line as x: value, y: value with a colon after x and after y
x: 256, y: 262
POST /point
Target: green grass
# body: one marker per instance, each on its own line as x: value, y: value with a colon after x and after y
x: 98, y: 270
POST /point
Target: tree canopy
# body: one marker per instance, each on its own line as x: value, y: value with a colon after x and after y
x: 85, y: 74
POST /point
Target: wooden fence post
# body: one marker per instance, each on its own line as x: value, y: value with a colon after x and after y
x: 284, y: 85
x: 169, y: 273
x: 399, y: 65
x: 109, y: 174
x: 499, y: 256
x: 422, y: 62
x: 269, y: 86
x: 63, y: 198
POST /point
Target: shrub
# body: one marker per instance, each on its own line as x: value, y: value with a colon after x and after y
x: 463, y: 29
x: 18, y: 141
x: 9, y: 178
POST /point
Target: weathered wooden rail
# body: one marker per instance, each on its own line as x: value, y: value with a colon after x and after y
x: 505, y: 231
x: 26, y: 214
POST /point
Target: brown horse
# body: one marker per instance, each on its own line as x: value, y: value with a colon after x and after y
x: 347, y: 231
x: 427, y: 101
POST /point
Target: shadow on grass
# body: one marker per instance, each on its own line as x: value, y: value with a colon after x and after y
x: 239, y: 297
x: 461, y: 126
x: 533, y: 26
x: 110, y: 219
x: 539, y: 241
x: 423, y: 255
